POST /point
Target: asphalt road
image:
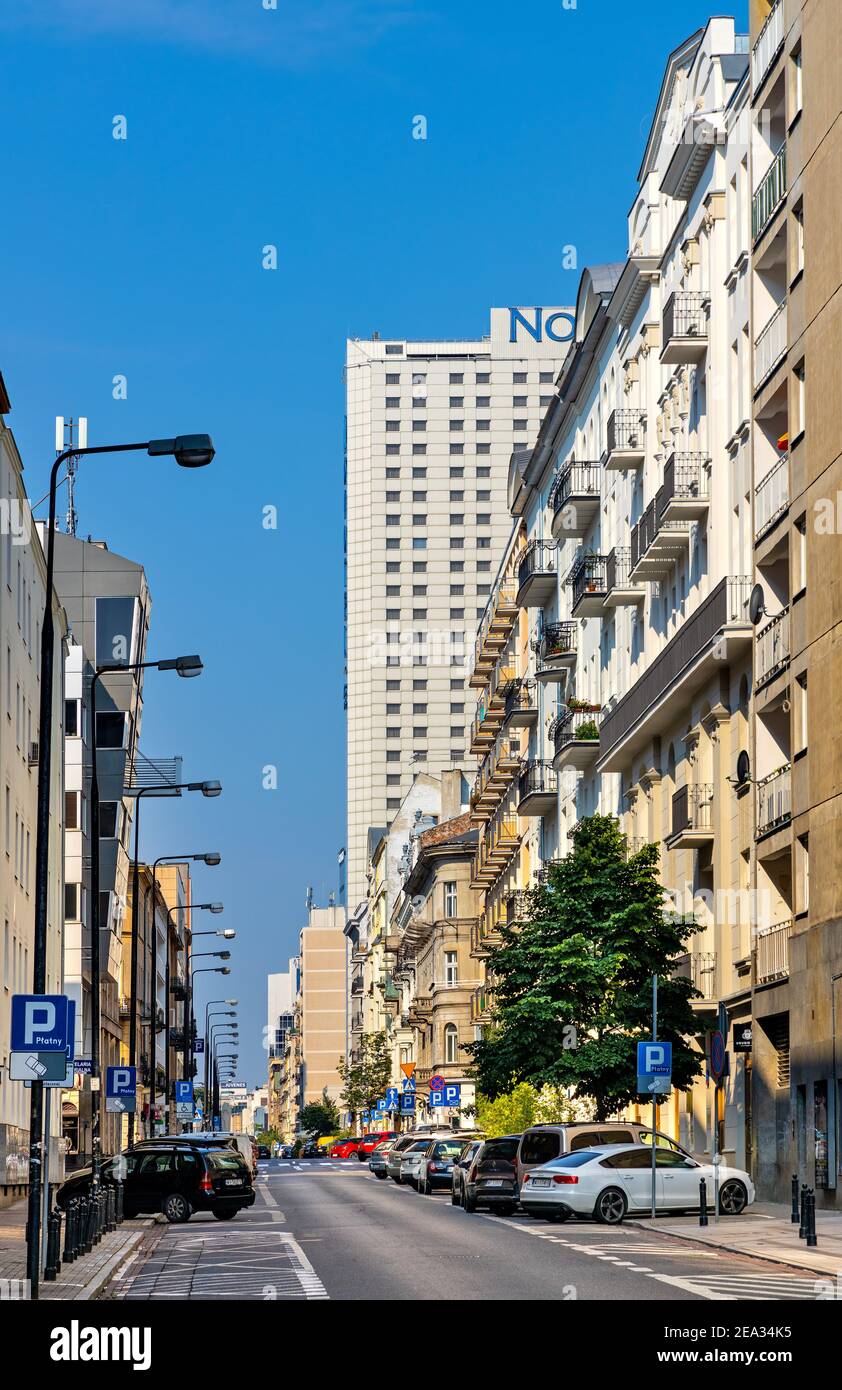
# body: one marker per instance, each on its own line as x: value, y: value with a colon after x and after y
x: 324, y: 1229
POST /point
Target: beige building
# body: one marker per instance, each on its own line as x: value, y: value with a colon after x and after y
x: 796, y: 754
x: 322, y: 1002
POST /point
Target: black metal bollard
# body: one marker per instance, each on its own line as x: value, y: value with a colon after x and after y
x: 795, y: 1215
x: 110, y: 1223
x: 88, y: 1226
x: 812, y: 1239
x: 100, y: 1216
x: 802, y: 1229
x: 69, y: 1232
x: 703, y: 1202
x: 119, y: 1191
x: 53, y: 1265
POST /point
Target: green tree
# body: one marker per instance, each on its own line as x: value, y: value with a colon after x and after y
x: 573, y: 983
x: 319, y: 1117
x: 364, y: 1081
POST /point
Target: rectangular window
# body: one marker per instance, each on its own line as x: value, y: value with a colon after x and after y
x: 71, y: 902
x: 108, y: 820
x: 116, y: 630
x: 71, y: 718
x: 451, y: 966
x: 110, y: 730
x: 393, y: 378
x: 72, y: 811
x: 796, y: 84
x: 450, y: 899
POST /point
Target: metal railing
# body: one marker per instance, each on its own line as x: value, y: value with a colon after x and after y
x: 685, y: 480
x: 771, y: 496
x: 625, y: 431
x: 517, y: 906
x: 537, y: 777
x: 685, y: 316
x: 700, y: 970
x: 617, y: 569
x: 770, y: 346
x: 574, y: 480
x: 499, y: 615
x: 768, y: 44
x: 771, y: 652
x: 558, y: 639
x: 539, y: 557
x: 769, y: 194
x: 575, y: 726
x: 521, y: 696
x: 771, y: 961
x: 774, y: 799
x: 692, y: 807
x: 588, y: 576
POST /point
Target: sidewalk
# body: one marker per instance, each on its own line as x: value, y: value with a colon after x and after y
x: 77, y: 1281
x: 764, y: 1231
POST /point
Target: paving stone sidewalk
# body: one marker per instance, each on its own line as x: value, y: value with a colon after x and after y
x: 78, y: 1281
x: 766, y: 1232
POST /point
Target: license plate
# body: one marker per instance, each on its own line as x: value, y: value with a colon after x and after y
x: 540, y: 1182
x: 233, y: 1182
x: 492, y: 1184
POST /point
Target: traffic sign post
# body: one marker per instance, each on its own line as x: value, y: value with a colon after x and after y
x: 654, y: 1077
x: 184, y: 1100
x: 392, y: 1098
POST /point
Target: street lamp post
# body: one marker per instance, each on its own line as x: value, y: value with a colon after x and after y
x: 190, y: 451
x: 187, y: 1070
x: 231, y: 1012
x: 212, y: 788
x: 207, y: 970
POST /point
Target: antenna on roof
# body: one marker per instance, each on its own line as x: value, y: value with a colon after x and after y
x: 65, y: 439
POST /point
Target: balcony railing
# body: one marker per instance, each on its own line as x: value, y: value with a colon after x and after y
x: 769, y: 194
x: 536, y: 575
x: 496, y: 625
x: 588, y: 576
x: 517, y: 906
x: 574, y: 483
x: 625, y: 433
x: 772, y: 953
x: 558, y: 641
x: 774, y: 800
x: 691, y: 808
x: 617, y: 568
x: 768, y: 45
x: 685, y: 326
x: 770, y: 346
x: 700, y: 970
x: 771, y: 652
x: 771, y: 496
x: 521, y: 704
x: 686, y: 486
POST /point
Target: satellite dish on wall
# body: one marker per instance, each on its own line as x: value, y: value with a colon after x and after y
x: 756, y: 604
x: 743, y: 769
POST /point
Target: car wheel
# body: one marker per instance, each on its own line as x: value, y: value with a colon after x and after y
x: 469, y: 1203
x: 507, y: 1208
x: 395, y: 1179
x: 176, y: 1208
x: 422, y: 1187
x: 225, y: 1215
x: 610, y: 1206
x: 380, y: 1175
x: 733, y: 1198
x: 454, y: 1198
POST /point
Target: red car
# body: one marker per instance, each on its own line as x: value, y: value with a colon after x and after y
x: 343, y: 1148
x: 370, y: 1141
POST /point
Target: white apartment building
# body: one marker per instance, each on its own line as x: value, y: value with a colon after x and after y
x: 281, y: 992
x: 430, y: 429
x: 23, y: 577
x: 626, y: 688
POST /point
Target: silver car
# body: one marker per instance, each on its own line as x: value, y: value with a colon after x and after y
x: 413, y: 1161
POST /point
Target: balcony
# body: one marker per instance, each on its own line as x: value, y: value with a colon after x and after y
x: 484, y: 936
x: 684, y: 327
x: 771, y: 959
x: 357, y: 1021
x: 774, y: 801
x: 518, y: 907
x: 656, y: 544
x: 537, y: 790
x: 537, y: 575
x: 521, y: 705
x: 482, y: 1002
x: 625, y: 445
x: 357, y: 984
x: 487, y: 721
x: 692, y: 817
x: 700, y: 970
x: 589, y: 583
x: 769, y: 194
x: 494, y: 851
x: 771, y: 650
x: 557, y: 651
x: 574, y: 498
x: 768, y: 45
x: 575, y: 735
x: 500, y: 765
x: 771, y: 497
x: 543, y: 875
x: 770, y: 346
x: 494, y: 632
x: 621, y: 588
x: 685, y: 492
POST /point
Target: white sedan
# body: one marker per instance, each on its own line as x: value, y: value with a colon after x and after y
x: 611, y: 1180
x: 414, y: 1160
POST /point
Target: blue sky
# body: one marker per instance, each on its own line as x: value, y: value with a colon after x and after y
x: 142, y: 257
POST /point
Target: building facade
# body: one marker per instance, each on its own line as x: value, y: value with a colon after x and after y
x: 430, y: 427
x: 320, y: 1007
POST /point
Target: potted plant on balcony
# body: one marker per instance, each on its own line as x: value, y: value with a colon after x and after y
x: 582, y: 706
x: 589, y: 729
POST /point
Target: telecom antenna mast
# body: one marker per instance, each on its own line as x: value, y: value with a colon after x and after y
x: 65, y: 440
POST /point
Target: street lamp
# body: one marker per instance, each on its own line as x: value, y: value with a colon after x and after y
x: 209, y: 1014
x: 207, y: 788
x: 185, y: 666
x: 190, y: 451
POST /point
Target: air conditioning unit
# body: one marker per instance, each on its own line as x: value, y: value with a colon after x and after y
x: 33, y: 754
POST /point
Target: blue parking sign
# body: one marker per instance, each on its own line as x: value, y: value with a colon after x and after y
x: 446, y: 1098
x: 654, y: 1068
x: 121, y: 1089
x: 184, y: 1092
x: 41, y: 1022
x: 408, y: 1103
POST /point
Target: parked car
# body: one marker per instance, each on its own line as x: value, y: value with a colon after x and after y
x: 242, y: 1142
x: 607, y: 1182
x: 399, y: 1147
x: 344, y: 1148
x: 176, y: 1179
x: 310, y: 1149
x: 544, y: 1143
x: 459, y: 1169
x: 413, y: 1160
x: 491, y: 1180
x: 437, y: 1162
x: 369, y: 1142
x: 264, y: 1151
x: 285, y: 1151
x: 377, y: 1158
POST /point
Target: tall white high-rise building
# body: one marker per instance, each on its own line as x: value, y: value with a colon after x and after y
x: 430, y: 430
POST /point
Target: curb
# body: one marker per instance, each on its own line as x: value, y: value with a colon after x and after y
x: 103, y: 1275
x: 732, y: 1249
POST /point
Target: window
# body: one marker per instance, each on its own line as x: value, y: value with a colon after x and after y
x: 456, y: 378
x: 483, y: 378
x: 457, y: 448
x: 71, y: 901
x: 393, y: 402
x: 72, y: 811
x: 518, y: 402
x: 393, y: 779
x: 392, y: 426
x: 419, y: 386
x: 483, y: 402
x: 519, y: 378
x: 450, y: 899
x: 540, y: 1147
x: 419, y: 472
x: 419, y: 543
x: 419, y: 448
x: 483, y: 448
x: 796, y: 83
x: 393, y: 497
x: 393, y: 731
x: 393, y: 378
x: 482, y: 425
x: 110, y: 730
x: 419, y: 518
x: 799, y: 576
x: 457, y: 496
x: 457, y: 401
x: 417, y: 425
x: 457, y: 424
x: 419, y: 566
x: 419, y: 709
x: 799, y: 402
x: 392, y: 543
x: 419, y: 590
x: 451, y: 1043
x: 456, y: 472
x: 116, y: 630
x: 545, y: 376
x: 798, y: 239
x: 108, y: 820
x: 456, y: 590
x: 72, y: 710
x: 802, y: 874
x: 393, y: 755
x: 393, y: 349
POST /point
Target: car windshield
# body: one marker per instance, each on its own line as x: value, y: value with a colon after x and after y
x: 500, y: 1148
x: 418, y: 1146
x: 448, y: 1148
x: 574, y: 1160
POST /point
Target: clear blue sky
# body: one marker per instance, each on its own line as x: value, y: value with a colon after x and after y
x: 143, y: 257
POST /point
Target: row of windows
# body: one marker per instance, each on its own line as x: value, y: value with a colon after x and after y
x: 420, y: 543
x: 22, y: 843
x: 455, y: 471
x: 455, y: 495
x: 420, y: 590
x: 455, y: 449
x: 419, y: 379
x: 419, y: 426
x: 456, y: 519
x: 456, y: 566
x: 15, y: 964
x: 459, y: 403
